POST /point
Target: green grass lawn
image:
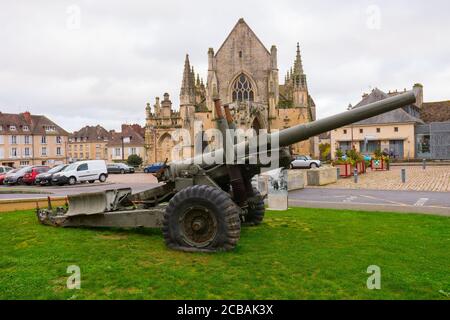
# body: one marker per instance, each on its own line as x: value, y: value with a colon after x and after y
x: 299, y: 254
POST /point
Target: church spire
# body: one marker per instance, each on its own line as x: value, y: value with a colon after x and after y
x: 298, y: 65
x: 187, y: 94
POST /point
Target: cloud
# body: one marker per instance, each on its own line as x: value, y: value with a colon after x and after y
x: 103, y: 64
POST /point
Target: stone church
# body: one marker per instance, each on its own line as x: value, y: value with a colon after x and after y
x: 244, y: 74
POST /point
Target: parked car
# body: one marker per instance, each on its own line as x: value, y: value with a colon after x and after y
x: 16, y: 176
x: 119, y: 168
x: 30, y: 176
x: 4, y: 173
x: 82, y: 171
x: 46, y: 177
x: 5, y: 169
x: 305, y: 162
x: 155, y: 167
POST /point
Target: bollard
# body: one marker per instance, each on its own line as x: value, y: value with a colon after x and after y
x: 403, y: 175
x: 424, y: 164
x: 338, y: 172
x: 355, y: 174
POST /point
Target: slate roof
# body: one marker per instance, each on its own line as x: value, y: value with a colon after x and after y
x: 395, y: 116
x: 36, y: 124
x: 435, y: 111
x: 136, y: 133
x: 92, y: 134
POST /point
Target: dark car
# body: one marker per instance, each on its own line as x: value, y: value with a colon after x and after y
x: 30, y: 176
x: 119, y: 168
x: 46, y: 177
x: 153, y: 168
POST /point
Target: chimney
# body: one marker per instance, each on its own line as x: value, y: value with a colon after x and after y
x: 27, y: 117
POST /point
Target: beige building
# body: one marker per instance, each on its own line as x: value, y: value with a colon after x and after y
x: 244, y: 74
x: 27, y: 139
x: 125, y: 143
x: 89, y: 143
x: 392, y: 132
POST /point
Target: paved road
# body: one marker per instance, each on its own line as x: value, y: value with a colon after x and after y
x: 374, y: 200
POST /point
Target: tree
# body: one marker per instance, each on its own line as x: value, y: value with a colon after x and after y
x: 134, y: 160
x: 325, y: 151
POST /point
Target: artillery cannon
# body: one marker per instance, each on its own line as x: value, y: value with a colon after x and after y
x: 200, y: 206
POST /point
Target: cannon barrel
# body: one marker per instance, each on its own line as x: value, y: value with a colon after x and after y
x: 303, y: 132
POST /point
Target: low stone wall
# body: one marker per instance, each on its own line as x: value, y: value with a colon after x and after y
x: 321, y: 176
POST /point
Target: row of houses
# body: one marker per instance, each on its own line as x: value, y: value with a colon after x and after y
x: 27, y: 139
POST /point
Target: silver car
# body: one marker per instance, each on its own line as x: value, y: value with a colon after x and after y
x: 304, y: 162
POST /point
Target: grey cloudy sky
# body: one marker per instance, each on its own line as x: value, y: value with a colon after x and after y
x: 103, y: 65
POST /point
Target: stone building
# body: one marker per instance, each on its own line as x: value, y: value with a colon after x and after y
x: 89, y: 143
x: 28, y: 139
x: 125, y: 143
x: 243, y: 74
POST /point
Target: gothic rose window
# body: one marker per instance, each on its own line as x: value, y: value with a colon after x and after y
x: 242, y: 89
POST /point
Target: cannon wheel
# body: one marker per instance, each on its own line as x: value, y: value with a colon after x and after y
x: 203, y: 219
x: 256, y: 210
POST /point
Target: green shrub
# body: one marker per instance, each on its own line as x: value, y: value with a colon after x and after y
x: 134, y: 160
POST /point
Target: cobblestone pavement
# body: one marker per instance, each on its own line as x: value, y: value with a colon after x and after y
x: 433, y: 178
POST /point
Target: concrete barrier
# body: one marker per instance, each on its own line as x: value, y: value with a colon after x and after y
x: 29, y: 204
x: 321, y: 176
x: 296, y: 179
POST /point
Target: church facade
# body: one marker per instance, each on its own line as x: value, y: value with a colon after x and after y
x: 243, y: 73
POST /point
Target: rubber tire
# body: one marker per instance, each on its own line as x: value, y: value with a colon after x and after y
x: 256, y: 210
x: 145, y: 171
x: 226, y: 212
x: 102, y: 178
x: 313, y: 166
x: 72, y: 181
x: 122, y: 171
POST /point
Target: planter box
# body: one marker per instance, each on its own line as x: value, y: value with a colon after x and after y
x: 379, y: 164
x: 322, y: 176
x: 345, y: 170
x: 361, y: 166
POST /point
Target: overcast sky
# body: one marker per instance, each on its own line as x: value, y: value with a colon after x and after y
x: 87, y: 63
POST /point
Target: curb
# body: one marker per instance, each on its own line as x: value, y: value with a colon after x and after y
x: 29, y: 204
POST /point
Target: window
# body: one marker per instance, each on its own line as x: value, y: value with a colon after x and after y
x: 44, y: 139
x: 395, y: 129
x: 27, y: 152
x: 361, y: 130
x: 242, y: 89
x: 345, y: 131
x: 13, y: 139
x: 81, y: 155
x: 82, y: 167
x: 13, y: 152
x: 81, y: 147
x: 378, y: 130
x: 27, y: 139
x: 58, y: 139
x: 58, y: 151
x: 132, y: 150
x: 49, y: 128
x: 26, y: 128
x: 24, y: 163
x: 44, y: 151
x: 240, y: 54
x: 117, y: 152
x: 12, y: 128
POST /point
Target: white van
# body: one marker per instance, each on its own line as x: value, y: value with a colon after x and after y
x: 82, y: 171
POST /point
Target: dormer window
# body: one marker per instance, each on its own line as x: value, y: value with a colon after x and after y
x: 12, y: 128
x: 49, y: 128
x: 26, y: 128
